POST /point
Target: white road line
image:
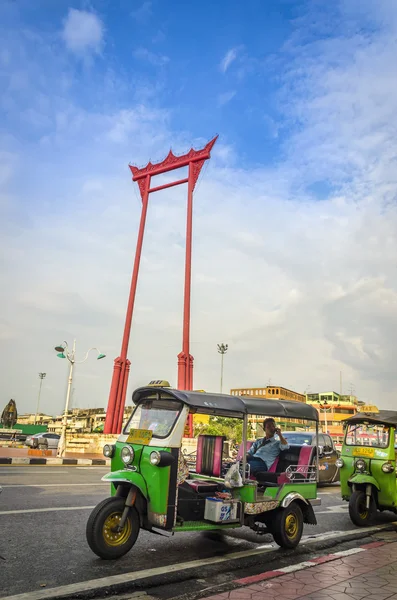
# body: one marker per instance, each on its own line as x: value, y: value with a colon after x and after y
x: 65, y: 591
x: 13, y: 485
x: 38, y: 510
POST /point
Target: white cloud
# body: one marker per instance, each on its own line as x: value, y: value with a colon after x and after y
x: 226, y: 97
x: 228, y: 59
x: 143, y: 12
x: 83, y: 31
x: 156, y: 60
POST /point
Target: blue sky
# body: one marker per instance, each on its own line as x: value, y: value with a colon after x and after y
x: 295, y: 219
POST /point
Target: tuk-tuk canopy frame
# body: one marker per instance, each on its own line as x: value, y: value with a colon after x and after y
x: 230, y: 406
x: 383, y: 417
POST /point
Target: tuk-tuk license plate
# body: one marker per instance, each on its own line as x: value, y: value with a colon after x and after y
x: 370, y: 452
x: 140, y: 436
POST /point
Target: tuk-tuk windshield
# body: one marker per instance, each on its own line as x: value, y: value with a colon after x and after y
x: 159, y: 416
x: 368, y: 434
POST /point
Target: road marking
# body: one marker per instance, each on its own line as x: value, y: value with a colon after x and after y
x: 13, y: 485
x: 37, y: 510
x: 340, y: 508
x: 113, y: 580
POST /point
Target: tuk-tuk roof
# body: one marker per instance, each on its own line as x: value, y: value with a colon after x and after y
x: 383, y: 417
x: 280, y: 408
x: 237, y: 406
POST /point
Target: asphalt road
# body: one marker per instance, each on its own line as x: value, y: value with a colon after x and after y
x: 44, y: 544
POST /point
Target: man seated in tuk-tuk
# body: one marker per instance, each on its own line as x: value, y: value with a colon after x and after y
x: 264, y: 451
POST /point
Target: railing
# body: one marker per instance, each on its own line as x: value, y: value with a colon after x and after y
x: 299, y: 472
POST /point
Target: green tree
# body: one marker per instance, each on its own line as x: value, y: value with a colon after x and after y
x: 232, y: 429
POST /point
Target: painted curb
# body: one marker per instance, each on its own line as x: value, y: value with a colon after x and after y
x: 55, y: 462
x: 314, y: 562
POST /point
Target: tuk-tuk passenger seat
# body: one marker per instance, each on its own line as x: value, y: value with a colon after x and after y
x: 299, y: 456
x: 208, y: 462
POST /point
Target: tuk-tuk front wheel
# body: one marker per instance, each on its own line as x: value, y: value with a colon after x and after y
x: 287, y: 526
x: 358, y: 511
x: 102, y: 532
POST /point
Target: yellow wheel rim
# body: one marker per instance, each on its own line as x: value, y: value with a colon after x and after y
x: 113, y: 538
x: 363, y: 512
x: 291, y: 526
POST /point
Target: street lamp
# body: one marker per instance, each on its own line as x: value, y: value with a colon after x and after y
x: 326, y: 407
x: 64, y: 352
x: 222, y: 349
x: 42, y: 376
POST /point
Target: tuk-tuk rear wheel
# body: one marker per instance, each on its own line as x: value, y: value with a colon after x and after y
x: 287, y: 526
x: 358, y: 511
x: 101, y: 531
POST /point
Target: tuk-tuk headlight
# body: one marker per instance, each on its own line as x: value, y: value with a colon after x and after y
x: 360, y: 464
x: 339, y: 462
x: 387, y: 468
x: 108, y: 450
x: 155, y: 458
x: 127, y: 455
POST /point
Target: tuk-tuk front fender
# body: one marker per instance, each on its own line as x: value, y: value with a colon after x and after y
x: 127, y: 478
x: 363, y: 479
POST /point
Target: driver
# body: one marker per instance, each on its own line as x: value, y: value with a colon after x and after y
x: 264, y: 451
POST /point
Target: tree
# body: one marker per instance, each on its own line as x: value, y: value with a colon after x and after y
x: 232, y: 429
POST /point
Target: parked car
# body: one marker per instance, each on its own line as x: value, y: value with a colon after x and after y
x: 49, y: 440
x: 328, y: 471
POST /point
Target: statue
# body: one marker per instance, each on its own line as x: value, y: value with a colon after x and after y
x: 9, y: 416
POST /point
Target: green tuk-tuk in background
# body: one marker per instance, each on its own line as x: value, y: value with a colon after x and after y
x: 153, y: 489
x: 368, y: 465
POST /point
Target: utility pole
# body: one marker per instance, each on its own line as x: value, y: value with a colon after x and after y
x: 222, y: 349
x: 340, y: 382
x: 42, y: 376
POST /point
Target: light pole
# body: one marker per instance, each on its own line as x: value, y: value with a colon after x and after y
x: 326, y: 407
x: 41, y: 375
x: 70, y: 355
x: 222, y: 349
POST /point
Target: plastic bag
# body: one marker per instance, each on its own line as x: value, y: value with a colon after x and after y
x: 233, y: 476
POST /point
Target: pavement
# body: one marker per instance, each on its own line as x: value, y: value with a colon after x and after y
x: 43, y: 514
x: 369, y: 572
x: 21, y: 456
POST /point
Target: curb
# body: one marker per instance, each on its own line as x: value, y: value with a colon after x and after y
x: 56, y: 462
x: 314, y: 562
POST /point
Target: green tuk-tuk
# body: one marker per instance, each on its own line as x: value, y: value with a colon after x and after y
x: 368, y: 465
x: 153, y: 489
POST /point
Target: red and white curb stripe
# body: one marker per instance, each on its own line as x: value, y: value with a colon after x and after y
x: 307, y: 564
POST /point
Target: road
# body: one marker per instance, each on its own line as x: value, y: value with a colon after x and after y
x: 43, y: 514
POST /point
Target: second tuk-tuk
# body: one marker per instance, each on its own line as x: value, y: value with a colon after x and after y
x: 152, y: 488
x: 368, y: 465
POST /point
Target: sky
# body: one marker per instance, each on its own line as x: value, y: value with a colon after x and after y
x: 295, y: 221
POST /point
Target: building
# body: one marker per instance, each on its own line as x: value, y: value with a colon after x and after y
x: 271, y: 392
x: 333, y: 409
x: 29, y: 419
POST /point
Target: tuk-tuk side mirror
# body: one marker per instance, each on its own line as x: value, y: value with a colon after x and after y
x: 320, y: 450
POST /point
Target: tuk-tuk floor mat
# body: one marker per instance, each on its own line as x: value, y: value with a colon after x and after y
x: 368, y: 572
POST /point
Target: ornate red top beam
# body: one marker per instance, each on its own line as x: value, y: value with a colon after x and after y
x: 172, y: 162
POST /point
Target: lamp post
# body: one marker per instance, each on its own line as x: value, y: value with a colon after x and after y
x: 64, y: 352
x: 326, y: 407
x: 42, y: 376
x: 222, y: 349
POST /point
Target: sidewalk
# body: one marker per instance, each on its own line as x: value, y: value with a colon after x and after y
x: 20, y: 456
x: 369, y: 573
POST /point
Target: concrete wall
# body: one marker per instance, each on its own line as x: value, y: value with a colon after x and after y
x: 91, y: 443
